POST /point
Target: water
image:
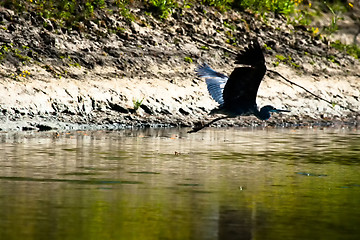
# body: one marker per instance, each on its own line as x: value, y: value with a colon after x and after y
x: 166, y: 184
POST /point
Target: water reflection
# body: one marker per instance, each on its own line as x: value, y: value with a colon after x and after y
x: 166, y: 184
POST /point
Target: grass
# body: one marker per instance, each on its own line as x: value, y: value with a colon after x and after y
x: 188, y: 59
x: 8, y: 49
x: 70, y: 12
x: 137, y: 104
x: 285, y: 7
x: 286, y: 60
x: 162, y: 8
x: 221, y: 5
x: 352, y: 50
x: 123, y: 8
x: 336, y: 12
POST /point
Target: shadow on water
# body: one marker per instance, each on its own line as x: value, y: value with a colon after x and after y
x: 76, y: 181
x: 167, y: 184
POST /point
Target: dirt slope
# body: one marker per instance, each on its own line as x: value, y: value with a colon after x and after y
x: 89, y: 78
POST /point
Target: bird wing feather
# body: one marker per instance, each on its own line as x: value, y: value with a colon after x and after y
x: 242, y: 86
x: 215, y: 82
x: 243, y: 83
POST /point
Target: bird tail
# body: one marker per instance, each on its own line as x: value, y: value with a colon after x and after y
x: 252, y: 55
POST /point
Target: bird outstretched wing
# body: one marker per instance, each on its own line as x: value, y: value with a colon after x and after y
x: 242, y: 86
x: 252, y: 55
x: 215, y: 82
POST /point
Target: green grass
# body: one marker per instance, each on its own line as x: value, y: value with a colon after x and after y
x: 352, y: 50
x: 68, y: 11
x: 163, y: 8
x: 286, y: 60
x: 281, y: 58
x: 7, y: 49
x: 77, y: 10
x: 277, y: 6
x: 336, y: 12
x: 137, y: 103
x: 188, y: 59
x: 221, y: 5
x: 123, y: 8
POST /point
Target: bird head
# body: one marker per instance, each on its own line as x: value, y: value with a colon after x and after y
x: 265, y: 111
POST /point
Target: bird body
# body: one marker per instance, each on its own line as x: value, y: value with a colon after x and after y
x: 237, y: 93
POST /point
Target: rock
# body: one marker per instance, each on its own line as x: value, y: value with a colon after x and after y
x: 117, y: 107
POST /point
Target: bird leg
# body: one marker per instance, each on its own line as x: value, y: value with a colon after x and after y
x: 198, y: 128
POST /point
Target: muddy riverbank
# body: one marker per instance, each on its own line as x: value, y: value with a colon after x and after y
x: 93, y: 77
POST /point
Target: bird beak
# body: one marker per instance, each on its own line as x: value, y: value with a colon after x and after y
x: 281, y: 110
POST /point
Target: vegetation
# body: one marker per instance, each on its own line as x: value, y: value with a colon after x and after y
x: 221, y: 5
x: 70, y: 11
x: 352, y: 50
x: 285, y: 7
x: 188, y: 59
x: 75, y: 14
x: 162, y: 8
x: 287, y: 60
x: 336, y: 17
x: 277, y: 6
x: 9, y: 49
x: 20, y: 76
x: 137, y: 104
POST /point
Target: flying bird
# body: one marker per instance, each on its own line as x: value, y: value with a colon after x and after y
x: 236, y: 94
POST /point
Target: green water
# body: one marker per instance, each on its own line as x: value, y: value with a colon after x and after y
x: 167, y: 184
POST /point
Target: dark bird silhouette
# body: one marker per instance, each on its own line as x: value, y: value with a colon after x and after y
x: 237, y: 94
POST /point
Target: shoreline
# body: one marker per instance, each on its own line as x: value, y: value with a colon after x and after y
x: 145, y: 77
